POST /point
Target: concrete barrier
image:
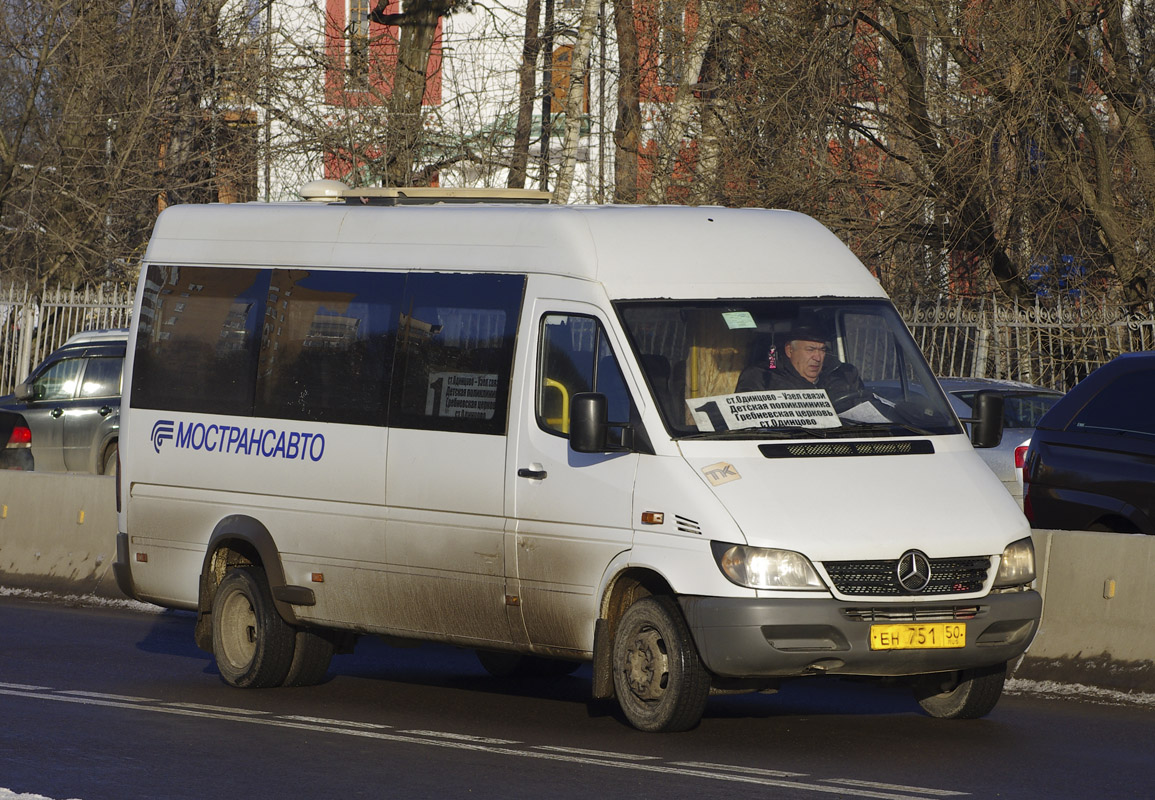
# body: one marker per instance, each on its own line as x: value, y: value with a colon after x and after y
x: 1098, y: 607
x: 58, y: 534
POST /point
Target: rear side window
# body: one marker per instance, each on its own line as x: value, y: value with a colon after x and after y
x: 198, y: 339
x: 455, y: 343
x: 327, y: 343
x: 1124, y: 406
x: 102, y: 377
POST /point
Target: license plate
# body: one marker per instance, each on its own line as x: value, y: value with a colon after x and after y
x: 918, y: 637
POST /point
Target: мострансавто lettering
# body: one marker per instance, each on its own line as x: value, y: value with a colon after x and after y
x: 264, y: 442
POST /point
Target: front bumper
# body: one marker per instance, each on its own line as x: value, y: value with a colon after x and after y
x: 778, y: 638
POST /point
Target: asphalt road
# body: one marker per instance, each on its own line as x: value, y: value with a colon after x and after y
x: 118, y: 703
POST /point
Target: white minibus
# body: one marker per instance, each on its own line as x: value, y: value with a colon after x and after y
x: 696, y: 447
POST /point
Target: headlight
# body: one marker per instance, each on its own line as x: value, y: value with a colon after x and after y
x: 1017, y: 566
x: 765, y: 568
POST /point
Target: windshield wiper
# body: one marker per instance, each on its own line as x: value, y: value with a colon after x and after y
x: 891, y: 428
x: 778, y: 432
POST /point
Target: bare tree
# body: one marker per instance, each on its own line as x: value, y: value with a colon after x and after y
x: 110, y: 111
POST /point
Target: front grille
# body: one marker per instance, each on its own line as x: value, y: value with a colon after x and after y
x: 880, y: 578
x: 911, y: 613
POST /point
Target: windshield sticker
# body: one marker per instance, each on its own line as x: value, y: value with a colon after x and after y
x: 738, y: 319
x: 792, y: 408
x: 720, y: 473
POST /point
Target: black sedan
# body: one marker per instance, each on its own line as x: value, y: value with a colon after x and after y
x: 1091, y: 463
x: 17, y: 436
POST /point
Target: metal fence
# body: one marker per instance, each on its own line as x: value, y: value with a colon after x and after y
x: 1043, y: 342
x: 35, y: 325
x: 1046, y: 343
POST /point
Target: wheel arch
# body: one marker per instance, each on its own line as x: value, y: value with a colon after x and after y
x: 238, y: 540
x: 622, y: 590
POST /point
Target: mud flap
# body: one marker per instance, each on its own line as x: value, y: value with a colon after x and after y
x: 603, y: 688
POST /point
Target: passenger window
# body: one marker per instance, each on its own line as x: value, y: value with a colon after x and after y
x: 198, y: 339
x: 1122, y: 407
x: 102, y: 377
x: 575, y: 357
x: 327, y: 346
x: 455, y: 340
x: 58, y: 382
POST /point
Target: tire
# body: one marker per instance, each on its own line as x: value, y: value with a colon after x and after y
x: 252, y: 644
x: 516, y: 665
x: 660, y: 682
x: 969, y: 694
x: 312, y: 654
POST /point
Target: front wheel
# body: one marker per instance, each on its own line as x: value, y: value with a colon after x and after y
x: 659, y: 679
x: 253, y: 646
x: 967, y: 694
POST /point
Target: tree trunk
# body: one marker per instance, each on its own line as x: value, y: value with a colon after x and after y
x: 628, y: 126
x: 527, y: 75
x: 574, y: 112
x: 683, y: 104
x: 418, y: 29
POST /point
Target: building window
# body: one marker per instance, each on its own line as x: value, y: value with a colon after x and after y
x: 357, y: 32
x: 671, y: 41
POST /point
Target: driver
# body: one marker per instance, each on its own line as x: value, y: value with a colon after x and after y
x: 805, y: 367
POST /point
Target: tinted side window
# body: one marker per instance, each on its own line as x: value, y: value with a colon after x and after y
x: 102, y: 377
x: 198, y: 339
x: 1124, y: 406
x: 575, y: 357
x: 327, y: 346
x: 455, y: 341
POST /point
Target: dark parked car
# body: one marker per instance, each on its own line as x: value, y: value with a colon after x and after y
x: 1091, y: 463
x: 72, y: 404
x: 17, y: 438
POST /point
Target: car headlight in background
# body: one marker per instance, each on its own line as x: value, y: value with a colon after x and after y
x: 1017, y: 566
x: 766, y: 568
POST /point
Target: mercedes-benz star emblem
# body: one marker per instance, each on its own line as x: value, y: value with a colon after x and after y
x: 913, y: 571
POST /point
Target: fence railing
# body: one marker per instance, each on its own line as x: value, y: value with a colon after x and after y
x: 1050, y: 344
x: 35, y: 325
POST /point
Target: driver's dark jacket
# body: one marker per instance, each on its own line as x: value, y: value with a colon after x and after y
x: 838, y: 378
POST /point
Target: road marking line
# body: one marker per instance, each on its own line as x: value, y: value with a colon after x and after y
x: 217, y: 709
x: 242, y: 715
x: 596, y: 753
x: 373, y: 726
x: 25, y: 687
x: 897, y: 787
x: 773, y: 773
x: 126, y: 697
x: 461, y: 737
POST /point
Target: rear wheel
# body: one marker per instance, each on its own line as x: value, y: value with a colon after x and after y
x: 312, y: 654
x: 253, y: 646
x: 967, y: 694
x: 659, y: 679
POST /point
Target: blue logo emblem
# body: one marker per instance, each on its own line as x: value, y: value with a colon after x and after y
x: 161, y: 430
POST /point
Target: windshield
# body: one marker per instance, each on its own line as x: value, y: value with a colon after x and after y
x: 785, y: 369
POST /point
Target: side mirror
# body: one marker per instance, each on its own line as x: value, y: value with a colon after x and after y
x: 588, y: 422
x: 987, y: 423
x: 23, y: 392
